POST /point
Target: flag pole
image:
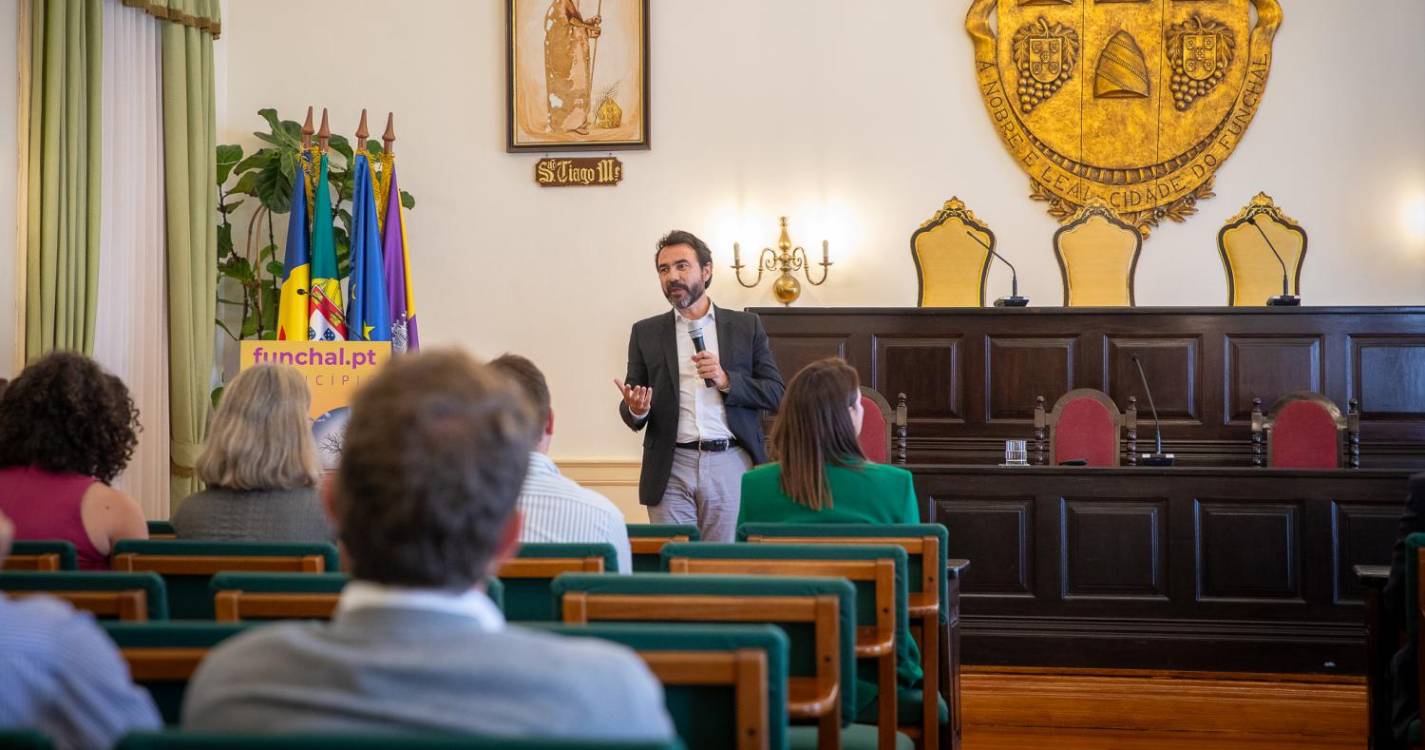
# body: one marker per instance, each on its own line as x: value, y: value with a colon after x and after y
x: 362, y: 132
x: 388, y: 138
x: 307, y: 131
x: 325, y: 133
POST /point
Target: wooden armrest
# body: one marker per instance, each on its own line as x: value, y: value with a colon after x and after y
x: 956, y: 567
x: 1372, y: 576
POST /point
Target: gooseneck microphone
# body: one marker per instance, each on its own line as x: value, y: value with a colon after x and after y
x: 695, y: 331
x: 1287, y: 299
x: 1013, y: 300
x: 1157, y: 457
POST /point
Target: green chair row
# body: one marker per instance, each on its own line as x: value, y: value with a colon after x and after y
x: 647, y: 539
x: 122, y: 596
x: 175, y: 740
x: 286, y: 596
x: 46, y: 554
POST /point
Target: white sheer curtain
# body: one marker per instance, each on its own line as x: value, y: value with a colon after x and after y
x: 132, y: 323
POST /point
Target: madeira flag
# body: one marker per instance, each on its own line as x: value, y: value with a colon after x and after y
x: 292, y: 311
x: 324, y: 313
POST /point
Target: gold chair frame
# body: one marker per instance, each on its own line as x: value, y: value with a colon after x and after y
x: 1260, y: 205
x: 1096, y: 208
x: 953, y: 209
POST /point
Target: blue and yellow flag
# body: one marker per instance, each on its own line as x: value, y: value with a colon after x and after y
x: 292, y: 313
x: 324, y: 314
x: 367, y: 316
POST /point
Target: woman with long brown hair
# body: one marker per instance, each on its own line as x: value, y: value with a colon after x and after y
x: 820, y: 474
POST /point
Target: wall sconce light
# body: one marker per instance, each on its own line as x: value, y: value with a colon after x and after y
x: 785, y: 259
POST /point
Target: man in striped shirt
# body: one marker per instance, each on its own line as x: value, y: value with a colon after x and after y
x: 554, y: 507
x: 61, y: 676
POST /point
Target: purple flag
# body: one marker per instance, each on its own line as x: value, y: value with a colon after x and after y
x: 397, y: 266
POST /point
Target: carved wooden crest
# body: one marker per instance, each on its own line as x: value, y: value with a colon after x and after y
x: 1134, y: 102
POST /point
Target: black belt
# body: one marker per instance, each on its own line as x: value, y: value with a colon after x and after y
x: 711, y: 446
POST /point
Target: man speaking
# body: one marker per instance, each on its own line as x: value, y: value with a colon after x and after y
x: 697, y: 378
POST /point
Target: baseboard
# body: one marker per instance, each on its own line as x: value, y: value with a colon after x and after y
x: 614, y: 478
x: 1141, y: 700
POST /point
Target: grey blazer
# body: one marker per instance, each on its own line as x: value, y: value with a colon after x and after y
x: 394, y: 670
x: 756, y: 385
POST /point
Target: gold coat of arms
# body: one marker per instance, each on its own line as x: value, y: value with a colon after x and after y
x: 1135, y: 103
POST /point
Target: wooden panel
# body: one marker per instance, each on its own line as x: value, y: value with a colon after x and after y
x: 1019, y: 369
x: 1388, y: 377
x: 998, y: 536
x: 928, y: 371
x: 1268, y: 367
x: 795, y: 351
x: 1248, y: 551
x: 1113, y: 549
x: 1172, y: 366
x: 1361, y: 535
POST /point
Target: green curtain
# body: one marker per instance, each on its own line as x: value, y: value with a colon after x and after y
x: 62, y: 240
x: 190, y: 198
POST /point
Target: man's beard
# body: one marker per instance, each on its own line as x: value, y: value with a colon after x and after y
x: 690, y: 296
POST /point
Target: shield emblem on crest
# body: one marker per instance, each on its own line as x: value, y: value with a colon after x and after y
x: 1199, y: 59
x: 1165, y: 91
x: 1046, y: 58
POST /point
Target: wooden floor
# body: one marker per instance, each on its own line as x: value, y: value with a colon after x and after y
x: 1021, y: 709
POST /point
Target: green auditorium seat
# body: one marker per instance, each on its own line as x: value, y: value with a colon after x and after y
x: 162, y: 656
x: 817, y: 614
x: 187, y: 566
x: 647, y: 540
x: 158, y: 530
x: 724, y: 685
x: 526, y: 578
x: 927, y: 548
x: 285, y: 596
x: 195, y: 741
x: 41, y: 555
x: 24, y: 739
x: 884, y: 648
x: 122, y: 596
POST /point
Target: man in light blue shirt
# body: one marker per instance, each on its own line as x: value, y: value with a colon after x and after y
x: 554, y: 507
x: 424, y: 504
x: 61, y: 676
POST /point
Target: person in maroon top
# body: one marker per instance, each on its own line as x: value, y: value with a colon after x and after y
x: 67, y: 428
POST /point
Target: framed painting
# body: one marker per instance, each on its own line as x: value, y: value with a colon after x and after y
x: 577, y: 75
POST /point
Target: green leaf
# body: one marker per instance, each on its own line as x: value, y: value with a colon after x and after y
x: 217, y: 394
x: 230, y: 206
x: 275, y: 268
x: 341, y: 145
x: 270, y: 251
x: 228, y: 157
x: 408, y: 201
x: 225, y: 239
x: 373, y: 147
x: 274, y: 190
x: 246, y: 185
x: 270, y: 115
x: 255, y: 161
x: 249, y: 326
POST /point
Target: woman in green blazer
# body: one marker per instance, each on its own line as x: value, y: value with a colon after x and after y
x: 821, y: 476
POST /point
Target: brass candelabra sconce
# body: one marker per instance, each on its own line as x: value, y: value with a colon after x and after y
x: 786, y: 259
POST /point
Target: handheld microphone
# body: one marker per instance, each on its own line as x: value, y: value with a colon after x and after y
x: 1157, y: 457
x: 1287, y: 299
x: 695, y: 331
x: 1013, y: 300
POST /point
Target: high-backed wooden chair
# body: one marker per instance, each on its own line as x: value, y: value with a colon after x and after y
x: 188, y: 566
x: 877, y: 572
x: 1253, y: 271
x: 950, y: 265
x: 725, y: 686
x: 1306, y: 430
x: 41, y: 555
x: 883, y: 430
x: 818, y: 615
x: 1098, y: 257
x: 528, y: 576
x: 930, y: 604
x: 1084, y: 425
x: 646, y: 541
x: 132, y: 597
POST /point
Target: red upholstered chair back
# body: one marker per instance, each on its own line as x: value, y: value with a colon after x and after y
x: 875, y: 437
x: 1084, y: 424
x: 1303, y: 432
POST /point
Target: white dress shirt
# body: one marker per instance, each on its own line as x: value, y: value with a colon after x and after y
x: 473, y: 603
x: 557, y: 510
x: 701, y: 415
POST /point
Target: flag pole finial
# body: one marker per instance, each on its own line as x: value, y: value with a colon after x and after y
x: 325, y: 133
x: 362, y: 132
x: 389, y: 137
x: 307, y: 131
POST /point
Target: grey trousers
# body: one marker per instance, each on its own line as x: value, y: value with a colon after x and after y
x: 705, y: 490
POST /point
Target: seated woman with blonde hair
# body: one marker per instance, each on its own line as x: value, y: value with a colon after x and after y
x: 820, y: 474
x: 67, y: 428
x: 260, y: 465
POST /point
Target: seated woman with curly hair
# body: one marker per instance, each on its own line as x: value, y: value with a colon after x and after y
x: 260, y: 465
x: 67, y: 428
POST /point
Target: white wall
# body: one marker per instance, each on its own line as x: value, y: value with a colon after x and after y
x: 9, y: 156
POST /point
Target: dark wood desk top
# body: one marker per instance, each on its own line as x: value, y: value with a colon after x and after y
x: 1182, y: 472
x: 1059, y: 310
